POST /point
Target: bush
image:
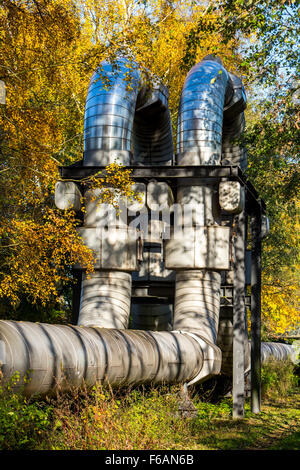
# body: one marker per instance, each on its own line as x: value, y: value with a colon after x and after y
x: 106, y: 419
x: 23, y: 422
x: 278, y: 378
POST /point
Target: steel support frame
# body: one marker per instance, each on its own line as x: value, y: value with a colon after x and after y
x: 238, y: 366
x: 256, y: 311
x: 255, y: 207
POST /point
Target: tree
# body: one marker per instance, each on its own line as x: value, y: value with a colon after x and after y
x: 46, y: 62
x: 50, y: 49
x: 271, y: 67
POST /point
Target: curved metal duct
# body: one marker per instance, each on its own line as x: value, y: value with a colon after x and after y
x: 109, y: 112
x: 233, y: 151
x: 200, y: 115
x: 211, y: 118
x: 126, y: 120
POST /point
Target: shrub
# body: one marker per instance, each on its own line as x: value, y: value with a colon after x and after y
x: 102, y: 418
x: 23, y: 422
x: 277, y: 378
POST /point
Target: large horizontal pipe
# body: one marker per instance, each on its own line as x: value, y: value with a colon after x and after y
x: 279, y: 351
x: 61, y: 357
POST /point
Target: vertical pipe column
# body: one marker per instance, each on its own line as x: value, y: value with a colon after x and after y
x: 256, y: 313
x: 108, y: 129
x: 197, y: 302
x: 238, y: 385
x: 105, y: 299
x: 199, y: 142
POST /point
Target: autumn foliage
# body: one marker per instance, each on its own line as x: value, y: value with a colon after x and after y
x: 49, y: 51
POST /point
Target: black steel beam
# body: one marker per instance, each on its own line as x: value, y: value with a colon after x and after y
x: 256, y: 313
x: 158, y: 172
x: 173, y: 174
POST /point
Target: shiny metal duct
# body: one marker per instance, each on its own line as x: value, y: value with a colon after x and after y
x: 233, y: 150
x: 126, y: 120
x: 210, y: 122
x: 105, y: 299
x: 200, y: 115
x: 109, y: 112
x: 197, y: 302
x: 152, y: 127
x: 199, y: 142
x: 56, y: 357
x: 278, y: 351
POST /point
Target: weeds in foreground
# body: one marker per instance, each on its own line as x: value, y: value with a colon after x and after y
x: 148, y: 417
x: 277, y: 378
x: 24, y: 423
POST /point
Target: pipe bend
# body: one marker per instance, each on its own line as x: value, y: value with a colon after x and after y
x: 199, y: 132
x: 119, y: 118
x: 233, y: 150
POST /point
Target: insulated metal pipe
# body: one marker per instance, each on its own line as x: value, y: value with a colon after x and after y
x: 211, y: 119
x: 278, y: 351
x: 233, y: 151
x: 199, y: 139
x: 152, y: 127
x: 57, y: 357
x: 106, y: 293
x: 105, y: 299
x: 200, y: 115
x: 123, y: 116
x: 109, y: 113
x: 197, y: 302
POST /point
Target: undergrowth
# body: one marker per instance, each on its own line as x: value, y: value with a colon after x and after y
x: 278, y: 378
x: 141, y: 418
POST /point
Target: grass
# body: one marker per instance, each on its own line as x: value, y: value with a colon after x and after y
x: 150, y: 418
